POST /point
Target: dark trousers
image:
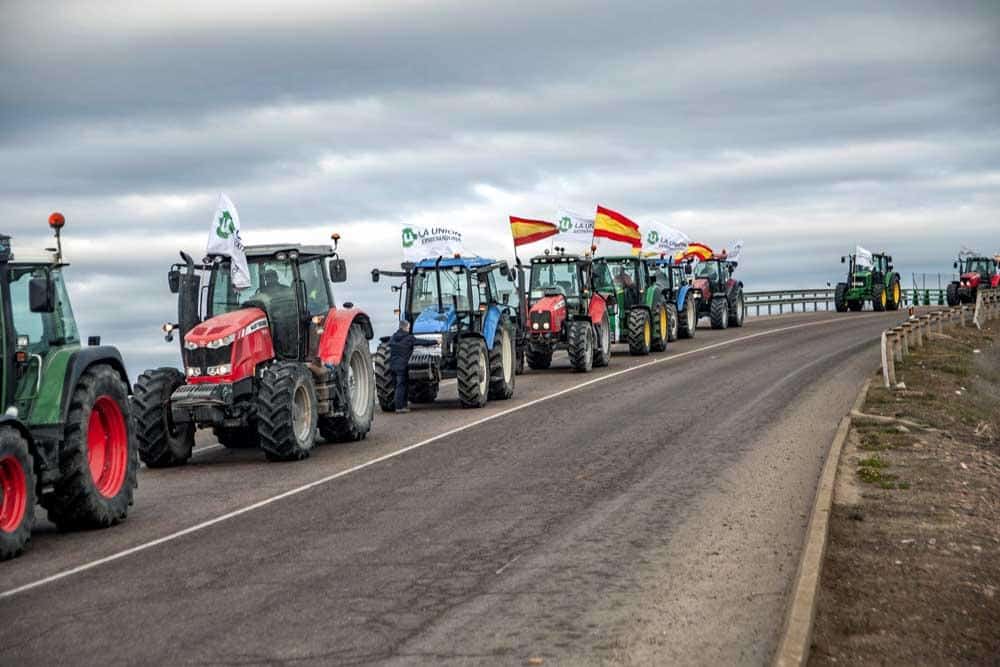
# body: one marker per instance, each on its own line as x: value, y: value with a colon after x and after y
x: 402, y: 385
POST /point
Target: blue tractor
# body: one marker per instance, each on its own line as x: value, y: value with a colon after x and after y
x: 673, y: 278
x: 470, y: 308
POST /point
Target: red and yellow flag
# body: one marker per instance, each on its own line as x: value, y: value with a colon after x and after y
x: 612, y: 225
x: 696, y: 250
x: 529, y: 231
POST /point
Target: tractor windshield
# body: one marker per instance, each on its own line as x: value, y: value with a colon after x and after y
x: 44, y: 330
x: 554, y: 276
x: 454, y: 287
x: 624, y: 273
x: 268, y: 277
x: 978, y: 265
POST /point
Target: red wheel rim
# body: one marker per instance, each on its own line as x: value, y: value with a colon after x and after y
x: 13, y: 494
x: 107, y: 446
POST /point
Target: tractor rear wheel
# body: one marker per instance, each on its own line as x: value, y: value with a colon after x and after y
x: 240, y: 437
x: 672, y: 328
x: 580, y: 345
x: 661, y: 320
x: 894, y: 295
x: 97, y: 460
x: 503, y: 362
x: 602, y: 347
x: 952, y: 292
x: 737, y: 310
x: 539, y: 358
x: 286, y: 412
x: 840, y: 297
x: 385, y: 379
x: 161, y: 442
x: 17, y: 493
x: 688, y: 324
x: 878, y: 297
x: 357, y: 377
x: 719, y: 313
x: 640, y: 332
x: 424, y: 391
x: 473, y: 372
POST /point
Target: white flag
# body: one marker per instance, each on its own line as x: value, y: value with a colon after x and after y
x: 734, y: 254
x: 575, y: 229
x: 224, y: 239
x: 659, y: 238
x: 862, y: 257
x: 420, y: 242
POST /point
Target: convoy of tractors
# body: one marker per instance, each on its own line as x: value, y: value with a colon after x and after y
x: 278, y: 364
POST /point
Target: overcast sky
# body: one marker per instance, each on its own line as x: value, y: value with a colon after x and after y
x: 802, y: 130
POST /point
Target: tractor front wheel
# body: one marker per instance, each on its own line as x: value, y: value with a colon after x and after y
x: 17, y: 493
x: 719, y: 313
x: 662, y: 333
x: 503, y: 360
x: 286, y: 412
x: 737, y: 310
x: 672, y: 328
x: 161, y: 442
x: 385, y: 379
x: 894, y: 295
x: 580, y: 345
x: 357, y: 378
x: 878, y: 297
x: 640, y: 332
x: 97, y: 461
x: 952, y: 293
x: 473, y: 372
x: 602, y: 350
x: 840, y: 298
x: 689, y: 323
x: 539, y: 357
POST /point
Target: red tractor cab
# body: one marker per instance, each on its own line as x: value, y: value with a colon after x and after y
x: 263, y: 366
x: 974, y: 273
x: 720, y: 295
x: 565, y: 311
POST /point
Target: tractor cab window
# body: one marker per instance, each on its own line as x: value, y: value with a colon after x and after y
x: 424, y: 293
x: 554, y: 277
x: 317, y: 288
x: 983, y: 266
x: 677, y: 273
x: 503, y: 285
x: 271, y: 289
x: 711, y: 270
x: 43, y: 330
x: 603, y: 282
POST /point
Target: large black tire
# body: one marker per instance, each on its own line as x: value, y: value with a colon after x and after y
x: 473, y: 372
x: 520, y: 360
x: 878, y: 297
x: 952, y: 294
x: 673, y: 329
x: 893, y: 294
x: 840, y: 297
x: 580, y: 345
x: 539, y: 358
x: 640, y: 332
x: 661, y: 328
x: 737, y: 309
x: 719, y: 313
x: 17, y: 497
x: 286, y: 411
x: 688, y: 323
x: 161, y: 442
x: 424, y: 391
x: 503, y: 363
x: 78, y: 499
x: 241, y: 437
x: 358, y: 378
x: 602, y: 344
x: 385, y: 379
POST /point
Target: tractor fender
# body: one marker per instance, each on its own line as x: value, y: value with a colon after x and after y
x: 336, y: 328
x: 10, y: 421
x: 83, y: 359
x: 597, y: 308
x: 682, y: 297
x: 491, y: 322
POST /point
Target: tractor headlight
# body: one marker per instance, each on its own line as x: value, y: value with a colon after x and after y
x: 221, y: 342
x: 546, y: 326
x: 222, y: 369
x: 535, y: 326
x: 193, y: 372
x: 188, y: 345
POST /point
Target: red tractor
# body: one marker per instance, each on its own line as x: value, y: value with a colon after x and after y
x: 975, y: 272
x: 565, y: 311
x: 721, y: 295
x: 264, y: 366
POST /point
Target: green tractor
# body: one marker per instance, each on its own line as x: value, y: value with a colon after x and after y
x: 875, y: 281
x: 640, y: 313
x: 65, y: 433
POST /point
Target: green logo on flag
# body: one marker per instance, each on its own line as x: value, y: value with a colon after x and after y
x: 565, y: 224
x: 653, y: 237
x: 225, y: 226
x: 409, y: 237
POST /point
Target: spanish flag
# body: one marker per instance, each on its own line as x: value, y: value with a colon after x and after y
x: 697, y: 250
x: 612, y: 225
x: 529, y: 231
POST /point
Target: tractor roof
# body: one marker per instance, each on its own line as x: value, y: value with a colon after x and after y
x: 555, y: 259
x: 451, y: 262
x: 274, y: 248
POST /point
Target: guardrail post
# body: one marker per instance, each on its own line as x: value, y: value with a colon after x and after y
x: 888, y: 361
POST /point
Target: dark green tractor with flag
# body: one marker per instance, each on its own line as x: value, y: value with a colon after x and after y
x: 874, y: 281
x: 66, y: 439
x: 639, y: 310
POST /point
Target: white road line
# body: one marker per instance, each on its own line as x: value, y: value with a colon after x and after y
x: 385, y: 457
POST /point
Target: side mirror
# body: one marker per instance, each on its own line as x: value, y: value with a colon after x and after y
x: 843, y: 260
x: 338, y: 270
x: 41, y: 295
x: 688, y: 270
x: 890, y: 267
x: 375, y: 275
x: 504, y: 269
x: 174, y: 281
x: 955, y: 264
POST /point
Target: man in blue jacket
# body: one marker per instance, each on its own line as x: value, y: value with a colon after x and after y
x: 401, y: 346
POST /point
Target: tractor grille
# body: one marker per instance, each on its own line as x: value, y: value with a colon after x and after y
x: 204, y: 358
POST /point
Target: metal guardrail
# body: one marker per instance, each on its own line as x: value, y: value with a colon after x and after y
x: 778, y: 302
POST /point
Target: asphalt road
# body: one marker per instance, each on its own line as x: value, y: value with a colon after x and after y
x: 651, y: 512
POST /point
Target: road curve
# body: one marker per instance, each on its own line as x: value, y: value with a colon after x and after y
x: 649, y: 512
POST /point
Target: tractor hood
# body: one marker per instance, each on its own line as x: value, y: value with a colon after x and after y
x: 549, y: 304
x: 432, y: 321
x: 971, y: 279
x: 236, y: 324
